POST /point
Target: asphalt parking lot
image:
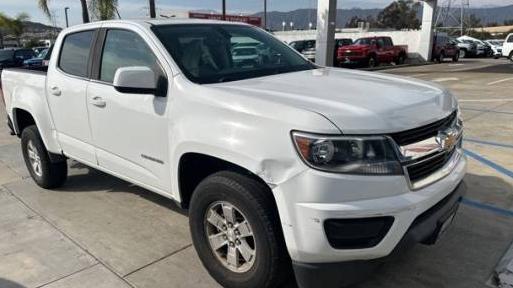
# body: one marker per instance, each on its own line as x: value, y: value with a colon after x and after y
x: 98, y: 231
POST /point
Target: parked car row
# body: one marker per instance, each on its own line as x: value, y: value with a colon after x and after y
x: 368, y: 51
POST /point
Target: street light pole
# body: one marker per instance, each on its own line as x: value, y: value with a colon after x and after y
x: 224, y: 9
x: 66, y: 15
x: 265, y: 14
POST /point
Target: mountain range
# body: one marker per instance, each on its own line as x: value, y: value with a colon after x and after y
x: 302, y: 17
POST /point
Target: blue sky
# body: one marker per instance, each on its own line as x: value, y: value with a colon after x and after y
x: 138, y: 8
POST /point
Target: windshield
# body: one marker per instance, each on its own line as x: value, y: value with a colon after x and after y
x: 6, y: 54
x: 363, y: 41
x: 205, y: 55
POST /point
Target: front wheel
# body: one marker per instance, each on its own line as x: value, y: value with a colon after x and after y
x: 463, y: 54
x: 511, y: 56
x: 46, y: 174
x: 236, y: 231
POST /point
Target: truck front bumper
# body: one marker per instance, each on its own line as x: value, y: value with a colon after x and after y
x: 375, y: 215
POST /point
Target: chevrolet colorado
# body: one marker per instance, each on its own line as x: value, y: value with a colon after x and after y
x: 284, y: 166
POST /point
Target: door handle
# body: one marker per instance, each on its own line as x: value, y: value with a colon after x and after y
x: 55, y: 91
x: 98, y: 102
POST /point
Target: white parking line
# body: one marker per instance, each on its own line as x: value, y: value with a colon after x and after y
x: 454, y: 65
x: 500, y: 81
x: 485, y: 100
x: 445, y: 79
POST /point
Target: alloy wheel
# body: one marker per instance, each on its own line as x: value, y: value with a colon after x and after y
x: 34, y: 159
x: 230, y: 236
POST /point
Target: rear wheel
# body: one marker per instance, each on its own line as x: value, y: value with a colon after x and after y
x: 236, y: 231
x: 400, y: 59
x: 456, y: 57
x: 46, y: 174
x: 372, y: 62
x: 441, y: 57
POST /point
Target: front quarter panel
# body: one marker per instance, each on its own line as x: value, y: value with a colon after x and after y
x: 251, y: 133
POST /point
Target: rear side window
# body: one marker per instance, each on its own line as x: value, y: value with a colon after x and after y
x: 75, y: 53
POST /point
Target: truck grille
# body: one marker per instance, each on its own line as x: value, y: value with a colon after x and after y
x: 424, y: 132
x: 425, y: 168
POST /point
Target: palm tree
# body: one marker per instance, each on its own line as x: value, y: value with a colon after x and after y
x: 103, y: 9
x: 14, y: 25
x: 43, y: 5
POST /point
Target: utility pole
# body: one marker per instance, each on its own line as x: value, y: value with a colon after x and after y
x: 462, y: 17
x: 66, y: 15
x: 265, y: 14
x: 224, y: 10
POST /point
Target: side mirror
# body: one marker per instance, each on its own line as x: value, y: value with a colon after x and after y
x: 135, y: 80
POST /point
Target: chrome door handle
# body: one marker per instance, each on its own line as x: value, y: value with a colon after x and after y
x: 55, y: 91
x: 99, y: 102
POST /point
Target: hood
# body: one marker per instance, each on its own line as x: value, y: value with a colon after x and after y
x: 356, y: 102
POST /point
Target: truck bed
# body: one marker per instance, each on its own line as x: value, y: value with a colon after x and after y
x: 21, y: 82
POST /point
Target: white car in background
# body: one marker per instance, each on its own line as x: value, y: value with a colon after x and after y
x: 507, y: 48
x: 496, y: 46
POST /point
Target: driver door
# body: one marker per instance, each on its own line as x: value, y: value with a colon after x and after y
x: 129, y: 130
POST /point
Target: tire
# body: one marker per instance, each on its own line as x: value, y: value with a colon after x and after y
x: 456, y: 57
x: 269, y: 264
x: 46, y: 174
x: 400, y: 60
x: 441, y: 57
x: 372, y: 62
x: 511, y: 56
x: 463, y: 53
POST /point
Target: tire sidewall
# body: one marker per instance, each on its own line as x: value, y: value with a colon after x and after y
x: 214, y: 192
x: 30, y: 134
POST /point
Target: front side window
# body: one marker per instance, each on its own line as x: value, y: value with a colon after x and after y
x: 75, y: 53
x: 124, y: 48
x: 209, y: 53
x: 510, y: 39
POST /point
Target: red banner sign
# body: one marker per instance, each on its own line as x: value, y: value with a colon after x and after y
x: 256, y: 21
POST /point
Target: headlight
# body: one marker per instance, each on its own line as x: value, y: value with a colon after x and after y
x: 365, y: 155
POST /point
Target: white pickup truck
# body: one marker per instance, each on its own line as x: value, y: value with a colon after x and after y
x: 284, y: 166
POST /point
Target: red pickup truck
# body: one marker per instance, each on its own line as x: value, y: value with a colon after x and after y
x: 372, y: 51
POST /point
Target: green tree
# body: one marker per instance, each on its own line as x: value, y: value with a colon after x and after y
x: 401, y: 14
x: 15, y: 26
x: 103, y: 9
x: 43, y: 5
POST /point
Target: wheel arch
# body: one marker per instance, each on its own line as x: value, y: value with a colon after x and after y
x: 194, y: 167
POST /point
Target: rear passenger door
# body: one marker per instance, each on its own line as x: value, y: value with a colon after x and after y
x: 130, y: 130
x: 66, y: 93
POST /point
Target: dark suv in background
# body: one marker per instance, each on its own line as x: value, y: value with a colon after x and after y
x: 10, y: 58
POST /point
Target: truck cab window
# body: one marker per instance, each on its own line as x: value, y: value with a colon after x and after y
x: 75, y: 53
x: 124, y: 48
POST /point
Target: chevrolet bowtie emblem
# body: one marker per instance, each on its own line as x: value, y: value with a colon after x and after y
x: 447, y: 139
